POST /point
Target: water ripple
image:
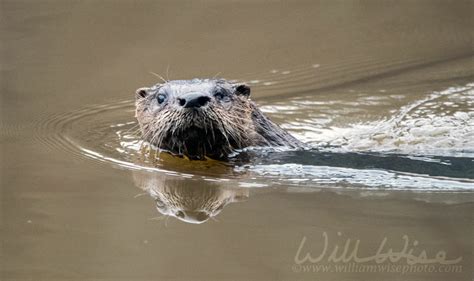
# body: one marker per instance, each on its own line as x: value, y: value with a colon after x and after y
x: 432, y: 139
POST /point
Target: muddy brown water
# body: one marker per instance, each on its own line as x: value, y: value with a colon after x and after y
x: 382, y: 90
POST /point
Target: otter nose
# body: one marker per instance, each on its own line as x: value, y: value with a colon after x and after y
x: 192, y: 216
x: 193, y: 100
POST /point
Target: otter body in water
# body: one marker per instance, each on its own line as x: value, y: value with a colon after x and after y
x: 202, y: 118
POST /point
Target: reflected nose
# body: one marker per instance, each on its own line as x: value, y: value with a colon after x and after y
x: 196, y: 217
x: 193, y: 100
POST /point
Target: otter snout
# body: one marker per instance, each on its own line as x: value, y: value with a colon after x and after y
x: 193, y: 100
x: 195, y: 217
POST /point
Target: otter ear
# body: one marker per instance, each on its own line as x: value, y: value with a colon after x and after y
x: 242, y: 90
x: 142, y: 92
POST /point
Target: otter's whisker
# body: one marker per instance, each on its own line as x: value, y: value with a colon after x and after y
x: 159, y: 76
x: 167, y: 72
x: 134, y: 127
x: 157, y: 218
x: 217, y: 74
x: 140, y: 194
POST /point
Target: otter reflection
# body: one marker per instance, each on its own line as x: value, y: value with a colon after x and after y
x: 188, y: 200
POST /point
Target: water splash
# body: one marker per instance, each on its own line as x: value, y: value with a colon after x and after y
x: 440, y: 124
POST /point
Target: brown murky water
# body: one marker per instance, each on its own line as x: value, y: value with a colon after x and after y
x: 383, y: 91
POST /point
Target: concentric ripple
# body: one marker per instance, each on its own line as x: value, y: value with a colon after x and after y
x: 368, y: 140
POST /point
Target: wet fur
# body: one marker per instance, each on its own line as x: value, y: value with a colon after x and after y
x: 213, y: 131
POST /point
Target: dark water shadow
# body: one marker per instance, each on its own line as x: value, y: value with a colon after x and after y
x: 439, y: 166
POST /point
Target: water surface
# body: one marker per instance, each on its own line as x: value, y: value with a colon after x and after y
x: 382, y: 93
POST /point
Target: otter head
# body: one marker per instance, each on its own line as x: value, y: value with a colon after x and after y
x: 186, y: 199
x: 196, y: 118
x: 195, y: 205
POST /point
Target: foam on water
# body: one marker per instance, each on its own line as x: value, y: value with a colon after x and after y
x: 440, y: 124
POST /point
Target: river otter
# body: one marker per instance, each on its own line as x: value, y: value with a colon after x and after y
x: 202, y: 118
x: 177, y: 196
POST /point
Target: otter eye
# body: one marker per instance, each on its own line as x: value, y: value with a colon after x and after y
x: 180, y: 214
x: 161, y: 98
x: 219, y: 95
